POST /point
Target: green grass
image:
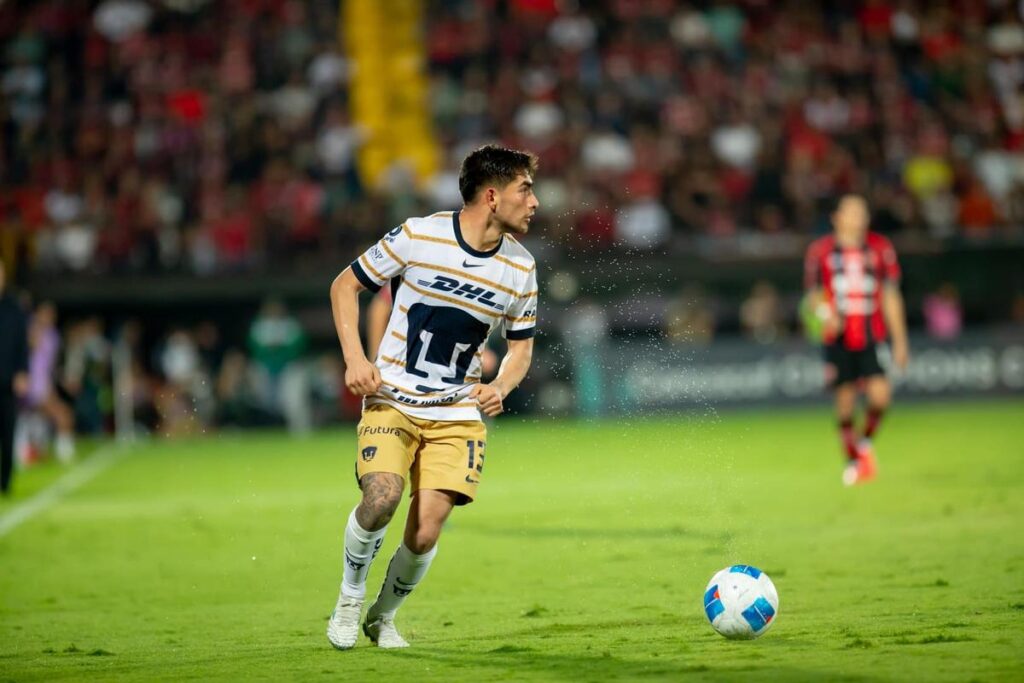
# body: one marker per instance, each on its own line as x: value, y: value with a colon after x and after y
x: 585, y: 558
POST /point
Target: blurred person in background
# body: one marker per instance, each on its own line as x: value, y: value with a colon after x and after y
x: 761, y: 313
x: 689, y: 318
x: 852, y: 279
x: 42, y: 396
x: 184, y: 402
x: 86, y: 374
x: 14, y: 382
x: 135, y: 384
x: 943, y: 317
x: 277, y: 343
x: 238, y: 403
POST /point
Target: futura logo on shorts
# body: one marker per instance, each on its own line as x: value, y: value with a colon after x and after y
x: 380, y: 431
x: 368, y: 453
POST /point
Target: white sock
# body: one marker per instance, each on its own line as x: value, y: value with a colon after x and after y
x: 405, y: 571
x: 361, y: 546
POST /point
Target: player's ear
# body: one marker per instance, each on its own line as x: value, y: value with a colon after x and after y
x: 491, y: 196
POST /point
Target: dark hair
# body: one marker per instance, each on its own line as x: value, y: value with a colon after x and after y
x: 493, y: 164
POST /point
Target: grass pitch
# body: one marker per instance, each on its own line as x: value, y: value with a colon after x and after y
x: 585, y: 558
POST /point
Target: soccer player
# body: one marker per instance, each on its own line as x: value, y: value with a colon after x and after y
x: 456, y: 277
x: 852, y: 278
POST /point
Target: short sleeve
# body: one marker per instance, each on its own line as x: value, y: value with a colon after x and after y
x: 386, y: 259
x: 521, y: 318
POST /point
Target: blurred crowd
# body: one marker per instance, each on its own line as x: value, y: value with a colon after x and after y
x: 657, y: 118
x: 88, y: 378
x: 200, y: 136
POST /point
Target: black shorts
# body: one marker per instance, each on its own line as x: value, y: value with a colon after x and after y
x: 843, y: 365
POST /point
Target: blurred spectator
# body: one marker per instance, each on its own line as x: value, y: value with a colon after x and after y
x: 135, y: 385
x: 761, y: 315
x: 736, y: 143
x: 689, y: 319
x: 942, y: 314
x: 86, y: 374
x: 118, y: 20
x: 978, y: 213
x: 277, y: 343
x: 42, y: 396
x: 237, y: 394
x: 642, y: 224
x: 337, y: 143
x: 185, y: 400
x: 135, y: 140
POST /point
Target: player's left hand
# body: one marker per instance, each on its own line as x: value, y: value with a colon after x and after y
x: 489, y: 397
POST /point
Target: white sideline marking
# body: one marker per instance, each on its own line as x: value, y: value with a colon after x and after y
x: 99, y: 461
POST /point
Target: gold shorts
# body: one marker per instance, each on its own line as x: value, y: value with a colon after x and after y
x: 448, y: 456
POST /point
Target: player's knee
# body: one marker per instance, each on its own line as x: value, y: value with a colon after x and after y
x: 879, y: 396
x: 423, y: 540
x: 375, y: 513
x: 376, y: 516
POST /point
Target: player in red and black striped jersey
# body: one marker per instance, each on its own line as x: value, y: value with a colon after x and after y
x: 852, y: 278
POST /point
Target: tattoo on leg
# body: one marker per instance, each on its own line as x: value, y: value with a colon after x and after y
x: 382, y: 492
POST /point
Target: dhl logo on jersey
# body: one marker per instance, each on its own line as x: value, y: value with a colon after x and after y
x: 450, y: 285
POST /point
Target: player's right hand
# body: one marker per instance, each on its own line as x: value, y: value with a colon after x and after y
x: 362, y: 378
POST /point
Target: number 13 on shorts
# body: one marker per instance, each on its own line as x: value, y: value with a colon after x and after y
x: 476, y: 455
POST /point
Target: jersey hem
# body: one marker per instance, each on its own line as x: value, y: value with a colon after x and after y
x: 428, y: 413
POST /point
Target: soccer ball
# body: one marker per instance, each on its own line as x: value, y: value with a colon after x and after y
x: 741, y: 602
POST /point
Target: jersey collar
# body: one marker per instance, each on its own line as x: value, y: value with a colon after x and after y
x: 465, y: 245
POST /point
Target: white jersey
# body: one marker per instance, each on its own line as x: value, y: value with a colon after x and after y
x: 448, y: 298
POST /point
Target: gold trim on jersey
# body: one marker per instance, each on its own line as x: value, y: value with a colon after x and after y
x: 366, y: 264
x: 464, y: 274
x: 527, y: 295
x: 453, y: 243
x: 510, y: 262
x: 392, y: 254
x: 399, y: 337
x: 393, y: 361
x: 403, y: 309
x: 524, y: 319
x: 451, y: 300
x: 439, y: 240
